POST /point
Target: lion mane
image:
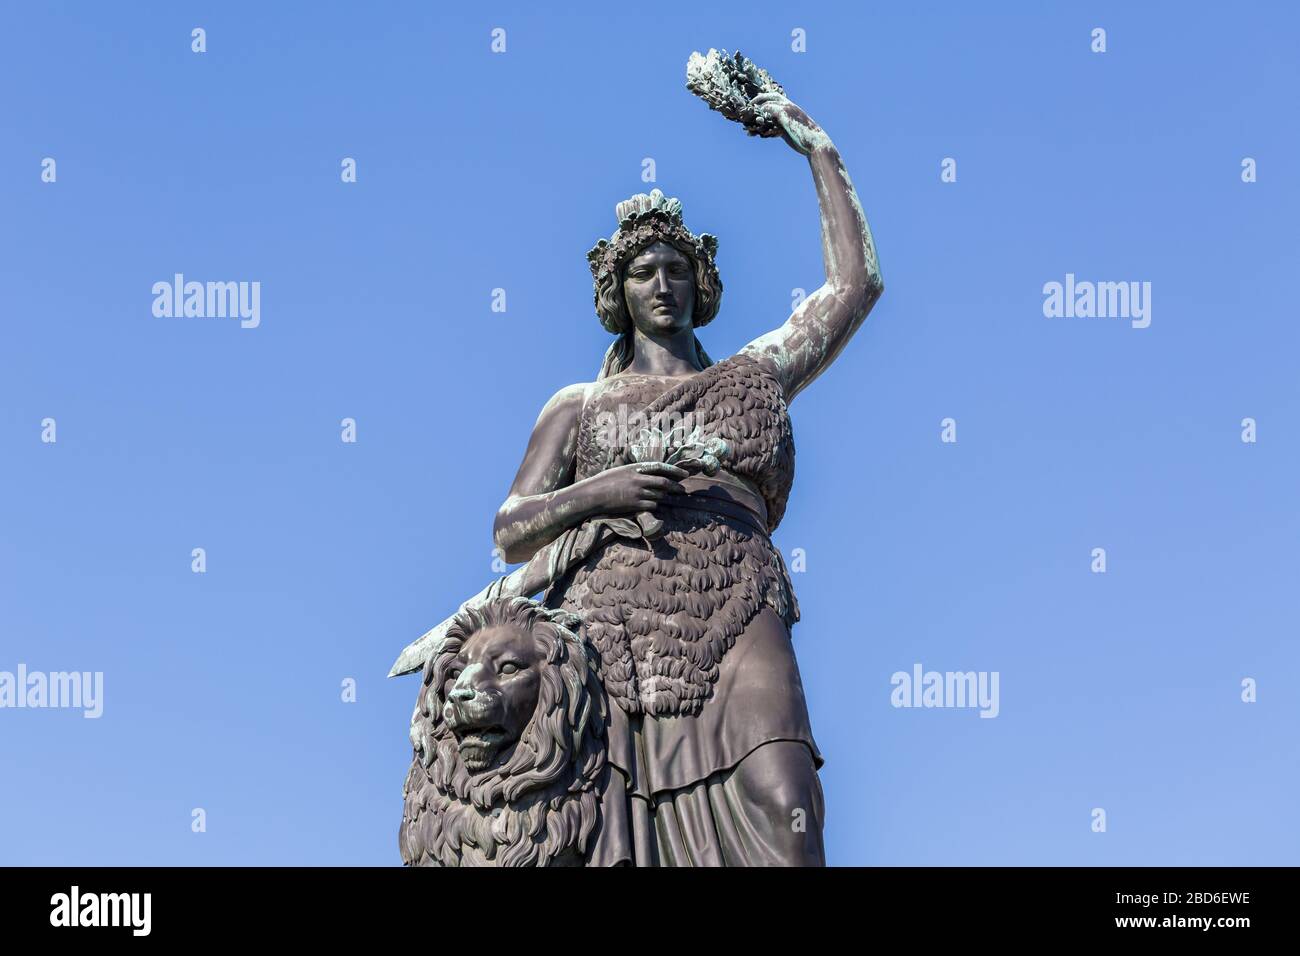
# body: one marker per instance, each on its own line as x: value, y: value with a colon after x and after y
x: 542, y: 804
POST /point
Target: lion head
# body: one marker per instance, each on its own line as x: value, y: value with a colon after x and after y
x: 509, y: 738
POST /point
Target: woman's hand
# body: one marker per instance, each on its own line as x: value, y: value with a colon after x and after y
x: 627, y: 489
x: 797, y: 127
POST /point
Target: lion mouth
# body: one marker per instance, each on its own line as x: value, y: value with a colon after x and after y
x: 479, y: 746
x: 482, y: 737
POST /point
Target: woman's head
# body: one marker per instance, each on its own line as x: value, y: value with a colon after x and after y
x: 650, y: 255
x: 653, y: 275
x: 659, y: 289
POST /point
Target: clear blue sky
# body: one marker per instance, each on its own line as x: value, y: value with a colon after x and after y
x: 475, y: 171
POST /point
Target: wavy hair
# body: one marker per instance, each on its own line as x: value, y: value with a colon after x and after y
x: 611, y: 306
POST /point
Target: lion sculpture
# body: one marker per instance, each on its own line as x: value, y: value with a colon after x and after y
x: 509, y: 737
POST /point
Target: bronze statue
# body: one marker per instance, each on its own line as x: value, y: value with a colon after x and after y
x: 643, y: 510
x: 509, y: 742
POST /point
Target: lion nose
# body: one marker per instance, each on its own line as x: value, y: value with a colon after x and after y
x: 463, y: 689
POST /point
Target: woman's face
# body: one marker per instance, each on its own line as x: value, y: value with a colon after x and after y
x: 659, y: 285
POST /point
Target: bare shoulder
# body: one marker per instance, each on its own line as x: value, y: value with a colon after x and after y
x: 551, y: 446
x: 567, y: 403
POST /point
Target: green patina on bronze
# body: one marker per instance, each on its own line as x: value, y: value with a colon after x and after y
x: 653, y: 554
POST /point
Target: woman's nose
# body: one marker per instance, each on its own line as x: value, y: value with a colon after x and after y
x: 661, y: 281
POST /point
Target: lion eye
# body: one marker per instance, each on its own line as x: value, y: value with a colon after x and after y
x: 510, y: 667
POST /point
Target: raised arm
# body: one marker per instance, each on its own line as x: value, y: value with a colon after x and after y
x: 824, y: 322
x: 545, y: 501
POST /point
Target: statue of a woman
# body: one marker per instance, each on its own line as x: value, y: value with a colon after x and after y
x: 709, y: 739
